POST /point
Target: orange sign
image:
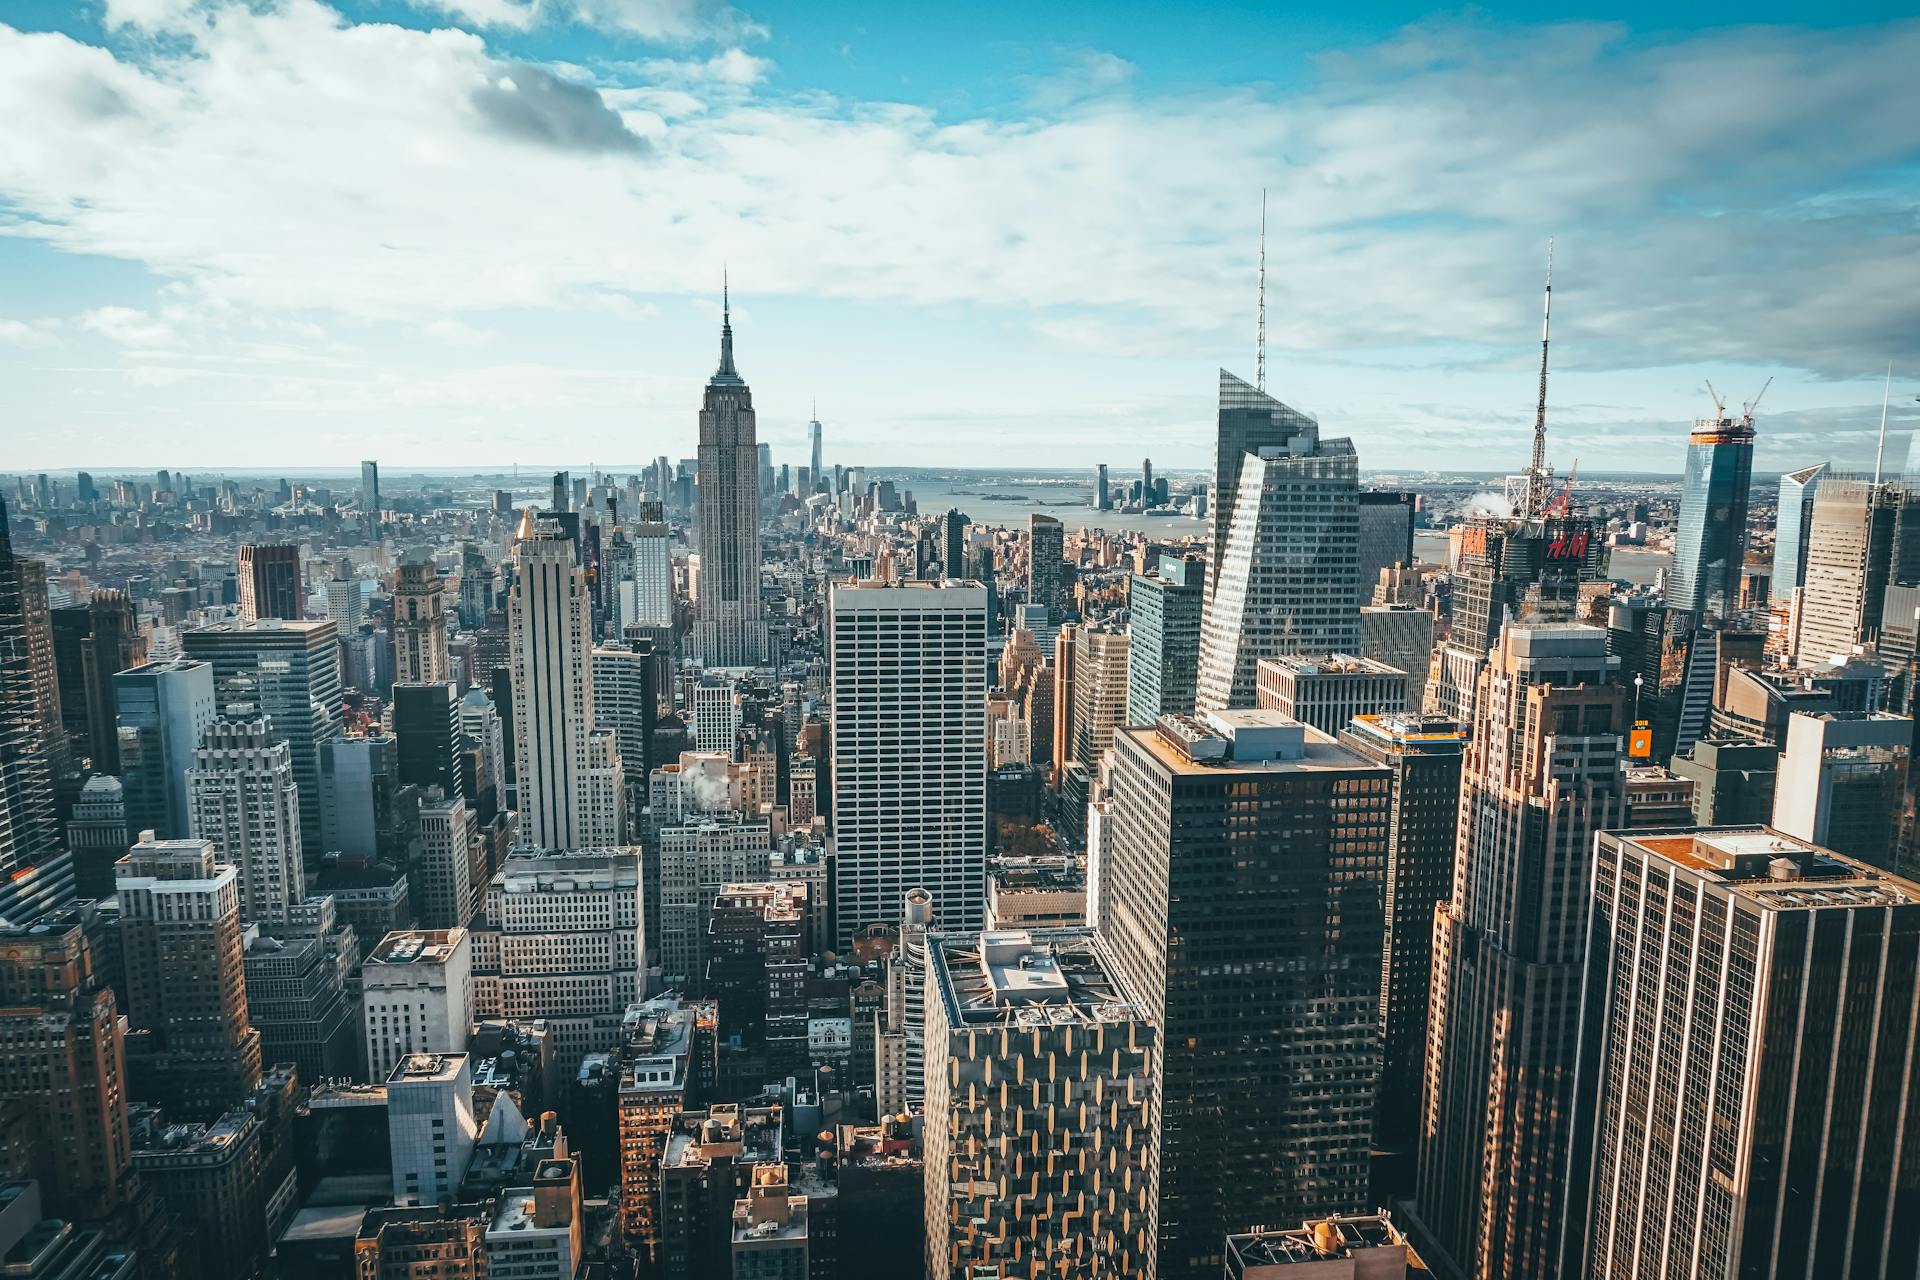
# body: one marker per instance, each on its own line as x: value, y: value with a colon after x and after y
x: 1474, y: 541
x: 1640, y: 741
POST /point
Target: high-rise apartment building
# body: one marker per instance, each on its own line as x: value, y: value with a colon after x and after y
x: 909, y: 767
x: 651, y: 603
x: 97, y: 835
x: 697, y: 855
x: 1047, y: 566
x: 730, y: 629
x: 35, y: 874
x: 1386, y: 535
x: 667, y: 1059
x: 1241, y: 904
x: 1400, y: 635
x: 550, y: 617
x: 416, y: 996
x: 1841, y: 782
x: 715, y: 714
x: 297, y: 992
x: 1099, y: 689
x: 370, y: 498
x: 431, y: 1127
x: 1543, y: 772
x: 164, y: 709
x: 427, y: 737
x: 270, y: 585
x: 1422, y: 758
x: 1792, y: 525
x: 295, y: 669
x: 420, y: 624
x: 1163, y: 638
x: 241, y: 796
x: 194, y: 1050
x: 1710, y: 546
x: 1286, y: 577
x: 1051, y: 1179
x: 91, y: 643
x: 1865, y: 536
x: 562, y: 940
x: 441, y: 881
x: 626, y: 704
x: 1327, y: 691
x: 1747, y: 1076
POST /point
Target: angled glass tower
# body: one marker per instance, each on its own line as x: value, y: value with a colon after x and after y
x: 1711, y: 542
x: 1791, y: 525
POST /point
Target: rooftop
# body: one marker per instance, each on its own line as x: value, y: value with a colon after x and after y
x: 1026, y: 978
x: 1406, y: 729
x: 418, y: 946
x: 1323, y: 1241
x: 747, y: 1135
x: 1249, y: 741
x: 1332, y: 664
x: 421, y: 1068
x: 1775, y: 871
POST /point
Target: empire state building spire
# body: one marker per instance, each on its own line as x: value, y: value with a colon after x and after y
x: 726, y: 375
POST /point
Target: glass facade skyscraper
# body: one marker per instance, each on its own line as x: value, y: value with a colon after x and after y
x: 1791, y: 525
x: 1163, y: 641
x: 1711, y: 543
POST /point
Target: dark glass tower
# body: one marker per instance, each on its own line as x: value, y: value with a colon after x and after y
x: 1163, y: 641
x: 1241, y: 904
x: 36, y: 875
x: 1711, y: 542
x: 426, y: 732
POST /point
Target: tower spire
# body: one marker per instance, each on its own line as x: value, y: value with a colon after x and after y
x: 1537, y: 474
x: 726, y: 330
x: 1260, y: 332
x: 1880, y: 453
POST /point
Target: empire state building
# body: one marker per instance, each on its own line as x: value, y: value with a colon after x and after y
x: 731, y: 629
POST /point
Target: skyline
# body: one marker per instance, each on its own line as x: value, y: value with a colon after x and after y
x: 400, y: 230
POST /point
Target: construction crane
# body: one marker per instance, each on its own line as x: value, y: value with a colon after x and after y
x: 1747, y: 409
x: 1719, y: 403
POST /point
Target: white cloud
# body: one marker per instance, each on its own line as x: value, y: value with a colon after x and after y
x: 128, y: 327
x: 1713, y: 194
x: 28, y: 333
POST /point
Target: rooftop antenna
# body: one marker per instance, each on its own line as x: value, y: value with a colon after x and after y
x: 1537, y: 472
x: 1880, y: 454
x: 1260, y: 337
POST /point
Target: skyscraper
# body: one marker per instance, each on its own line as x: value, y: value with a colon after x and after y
x: 953, y: 543
x: 241, y: 796
x: 1710, y: 545
x: 1163, y: 640
x: 270, y: 585
x: 1386, y: 534
x: 1249, y: 421
x: 549, y: 620
x: 1015, y: 1005
x: 1748, y: 1074
x: 1047, y: 565
x: 370, y: 498
x: 1423, y: 759
x: 92, y: 642
x: 909, y: 727
x: 1286, y: 576
x: 1841, y: 780
x: 164, y: 708
x: 194, y: 1050
x: 1865, y: 536
x: 35, y: 874
x: 1099, y: 689
x: 813, y: 434
x: 731, y: 629
x: 420, y: 624
x: 1102, y: 500
x: 295, y: 669
x: 1543, y: 773
x: 1240, y: 902
x: 427, y: 736
x: 1792, y: 524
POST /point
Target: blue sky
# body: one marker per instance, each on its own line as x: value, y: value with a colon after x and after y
x: 444, y: 232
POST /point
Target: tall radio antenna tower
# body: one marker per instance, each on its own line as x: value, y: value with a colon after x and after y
x: 1539, y: 478
x: 1260, y: 335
